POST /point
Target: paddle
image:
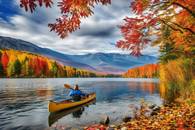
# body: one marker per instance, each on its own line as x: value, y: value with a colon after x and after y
x: 67, y: 86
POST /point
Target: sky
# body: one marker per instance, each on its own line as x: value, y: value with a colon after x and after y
x: 98, y: 33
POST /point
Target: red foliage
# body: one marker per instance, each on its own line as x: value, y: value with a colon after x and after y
x: 4, y: 60
x: 134, y: 33
x: 149, y: 14
x: 39, y: 66
x: 32, y: 4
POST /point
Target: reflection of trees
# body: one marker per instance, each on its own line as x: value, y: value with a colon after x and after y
x: 44, y: 92
x: 149, y: 87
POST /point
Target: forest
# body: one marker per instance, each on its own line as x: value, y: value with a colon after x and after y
x: 145, y: 71
x: 15, y: 64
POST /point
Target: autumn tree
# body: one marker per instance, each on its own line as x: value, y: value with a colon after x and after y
x: 151, y: 16
x: 25, y: 66
x: 5, y: 61
x: 54, y: 70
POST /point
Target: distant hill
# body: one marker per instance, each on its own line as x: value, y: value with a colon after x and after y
x: 113, y: 63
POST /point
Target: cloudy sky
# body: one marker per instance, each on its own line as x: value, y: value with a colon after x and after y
x: 98, y: 33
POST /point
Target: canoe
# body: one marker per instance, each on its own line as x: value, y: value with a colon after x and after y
x: 55, y: 116
x: 66, y: 104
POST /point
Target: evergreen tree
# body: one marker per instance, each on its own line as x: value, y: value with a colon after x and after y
x: 17, y: 67
x: 1, y: 70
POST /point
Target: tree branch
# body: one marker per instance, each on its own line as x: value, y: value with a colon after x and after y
x: 175, y: 29
x: 187, y: 9
x: 174, y: 3
x: 188, y: 29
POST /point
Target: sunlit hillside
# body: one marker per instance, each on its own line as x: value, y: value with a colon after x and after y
x: 23, y: 64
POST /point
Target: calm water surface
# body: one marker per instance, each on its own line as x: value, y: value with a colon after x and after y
x: 23, y: 102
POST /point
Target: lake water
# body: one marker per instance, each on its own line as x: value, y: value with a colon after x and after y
x: 23, y: 102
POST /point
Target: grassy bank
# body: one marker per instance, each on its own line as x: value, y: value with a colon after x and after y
x: 177, y: 79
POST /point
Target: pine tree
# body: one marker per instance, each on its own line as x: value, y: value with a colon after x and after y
x: 1, y: 70
x: 17, y: 68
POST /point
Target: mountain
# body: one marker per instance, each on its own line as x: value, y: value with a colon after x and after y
x: 101, y: 62
x: 113, y: 62
x: 17, y: 44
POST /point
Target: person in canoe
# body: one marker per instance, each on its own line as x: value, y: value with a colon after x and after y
x: 76, y: 93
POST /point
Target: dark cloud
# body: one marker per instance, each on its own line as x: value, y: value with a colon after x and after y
x: 97, y: 30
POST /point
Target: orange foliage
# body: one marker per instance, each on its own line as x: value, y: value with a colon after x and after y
x: 146, y: 71
x: 184, y: 37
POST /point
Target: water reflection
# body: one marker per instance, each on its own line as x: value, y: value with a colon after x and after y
x: 144, y: 86
x: 24, y: 102
x: 44, y: 92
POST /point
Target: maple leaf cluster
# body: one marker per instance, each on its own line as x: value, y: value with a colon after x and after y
x: 32, y: 4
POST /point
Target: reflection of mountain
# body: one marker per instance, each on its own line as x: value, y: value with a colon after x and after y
x: 101, y: 62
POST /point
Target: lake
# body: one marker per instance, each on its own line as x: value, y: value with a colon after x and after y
x: 24, y: 102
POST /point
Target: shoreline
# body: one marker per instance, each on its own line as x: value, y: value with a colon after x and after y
x: 169, y: 117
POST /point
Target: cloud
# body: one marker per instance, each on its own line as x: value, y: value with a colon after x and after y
x: 95, y: 35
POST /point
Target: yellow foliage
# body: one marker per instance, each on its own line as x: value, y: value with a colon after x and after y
x: 175, y: 76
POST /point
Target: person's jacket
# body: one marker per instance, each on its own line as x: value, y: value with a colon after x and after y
x: 76, y: 92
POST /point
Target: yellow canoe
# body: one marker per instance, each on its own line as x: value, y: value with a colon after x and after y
x: 58, y: 106
x: 55, y: 116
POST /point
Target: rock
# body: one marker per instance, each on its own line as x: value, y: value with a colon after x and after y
x: 75, y: 129
x: 112, y: 126
x: 152, y: 106
x: 153, y: 113
x: 105, y: 120
x: 156, y: 109
x: 127, y: 119
x: 124, y: 128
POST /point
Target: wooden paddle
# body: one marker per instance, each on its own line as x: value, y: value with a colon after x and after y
x: 67, y: 86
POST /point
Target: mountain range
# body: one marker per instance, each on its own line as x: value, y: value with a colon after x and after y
x: 112, y: 63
